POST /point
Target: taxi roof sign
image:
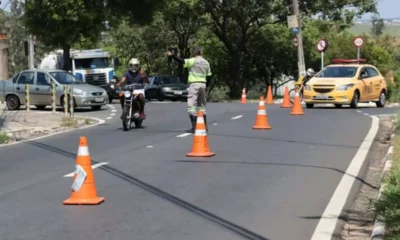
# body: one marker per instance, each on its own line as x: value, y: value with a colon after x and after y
x: 343, y: 61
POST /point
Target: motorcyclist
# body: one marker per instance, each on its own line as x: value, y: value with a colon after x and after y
x: 309, y: 74
x: 134, y: 75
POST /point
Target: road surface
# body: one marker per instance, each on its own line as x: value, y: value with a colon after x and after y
x: 271, y: 184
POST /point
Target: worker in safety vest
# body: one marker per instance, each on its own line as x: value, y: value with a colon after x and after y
x: 199, y: 76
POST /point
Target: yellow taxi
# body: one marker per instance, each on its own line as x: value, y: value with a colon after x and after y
x: 346, y: 82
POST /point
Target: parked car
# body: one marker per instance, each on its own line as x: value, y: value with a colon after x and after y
x: 13, y: 91
x: 166, y: 87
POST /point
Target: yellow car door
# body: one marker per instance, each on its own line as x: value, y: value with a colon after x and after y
x: 366, y: 85
x: 375, y: 82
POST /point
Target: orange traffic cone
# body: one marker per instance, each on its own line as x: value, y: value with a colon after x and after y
x: 261, y: 118
x: 243, y: 100
x: 286, y: 99
x: 200, y: 140
x: 297, y: 109
x: 83, y: 189
x: 270, y: 98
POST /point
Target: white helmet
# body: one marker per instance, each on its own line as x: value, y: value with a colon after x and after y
x: 134, y: 64
x: 310, y: 72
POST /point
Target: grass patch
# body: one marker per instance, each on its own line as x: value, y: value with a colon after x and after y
x: 392, y: 30
x: 388, y: 206
x: 68, y: 122
x: 4, y: 137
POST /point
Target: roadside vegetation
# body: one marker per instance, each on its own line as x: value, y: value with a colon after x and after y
x: 4, y: 138
x: 388, y: 206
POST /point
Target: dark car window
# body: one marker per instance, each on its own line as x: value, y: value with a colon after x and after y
x: 42, y: 79
x: 337, y: 72
x: 372, y: 72
x: 26, y: 78
x: 170, y: 80
x: 15, y: 78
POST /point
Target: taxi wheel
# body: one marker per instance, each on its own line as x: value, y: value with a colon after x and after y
x: 309, y: 105
x: 382, y: 100
x: 354, y: 101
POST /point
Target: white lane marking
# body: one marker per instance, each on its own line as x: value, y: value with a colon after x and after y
x: 328, y: 221
x: 112, y: 114
x: 109, y: 118
x: 114, y: 110
x: 183, y: 135
x: 359, y: 111
x: 149, y: 146
x: 215, y: 124
x: 93, y: 167
x: 388, y: 114
x: 237, y: 117
x: 366, y: 114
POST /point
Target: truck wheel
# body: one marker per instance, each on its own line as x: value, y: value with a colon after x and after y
x: 13, y: 103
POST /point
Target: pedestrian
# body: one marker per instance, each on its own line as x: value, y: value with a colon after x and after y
x: 199, y: 77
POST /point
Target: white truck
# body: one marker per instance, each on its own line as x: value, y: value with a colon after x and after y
x: 93, y: 66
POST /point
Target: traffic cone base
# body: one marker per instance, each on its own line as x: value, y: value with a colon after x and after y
x: 261, y: 118
x: 89, y: 201
x: 200, y: 146
x: 86, y: 194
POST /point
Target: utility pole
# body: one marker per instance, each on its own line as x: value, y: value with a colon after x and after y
x: 31, y: 57
x: 300, y: 50
x: 3, y: 57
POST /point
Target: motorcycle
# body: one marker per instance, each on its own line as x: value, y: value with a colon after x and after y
x: 131, y: 110
x: 111, y: 89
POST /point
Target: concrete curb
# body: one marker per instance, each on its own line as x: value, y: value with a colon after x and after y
x: 62, y: 130
x: 378, y: 231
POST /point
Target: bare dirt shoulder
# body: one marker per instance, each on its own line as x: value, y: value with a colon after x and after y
x: 359, y: 221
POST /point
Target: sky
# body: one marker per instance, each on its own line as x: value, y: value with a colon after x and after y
x: 386, y: 8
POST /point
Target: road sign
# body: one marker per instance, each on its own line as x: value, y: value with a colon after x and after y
x: 295, y: 42
x: 292, y: 21
x: 358, y: 42
x: 322, y: 45
x: 295, y: 30
x: 3, y: 36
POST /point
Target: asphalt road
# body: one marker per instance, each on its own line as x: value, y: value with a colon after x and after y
x: 260, y: 185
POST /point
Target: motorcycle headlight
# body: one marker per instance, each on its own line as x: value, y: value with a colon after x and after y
x: 345, y: 87
x: 307, y: 87
x: 127, y: 94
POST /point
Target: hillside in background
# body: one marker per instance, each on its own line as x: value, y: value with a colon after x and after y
x: 391, y: 29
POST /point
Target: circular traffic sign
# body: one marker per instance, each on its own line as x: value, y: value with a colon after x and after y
x: 295, y: 42
x: 322, y: 45
x: 358, y: 42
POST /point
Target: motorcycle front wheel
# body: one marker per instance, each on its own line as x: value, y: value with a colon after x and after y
x: 126, y: 122
x: 292, y: 94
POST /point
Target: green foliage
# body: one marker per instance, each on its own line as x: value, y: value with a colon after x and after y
x: 388, y: 207
x: 378, y: 26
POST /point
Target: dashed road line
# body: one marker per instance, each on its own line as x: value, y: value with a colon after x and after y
x: 237, y: 117
x: 183, y: 135
x: 366, y: 114
x: 112, y: 114
x: 109, y: 118
x: 94, y: 166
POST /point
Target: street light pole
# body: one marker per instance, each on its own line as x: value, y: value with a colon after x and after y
x: 300, y: 50
x: 30, y: 52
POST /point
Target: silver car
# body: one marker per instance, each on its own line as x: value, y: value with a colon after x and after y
x: 40, y: 91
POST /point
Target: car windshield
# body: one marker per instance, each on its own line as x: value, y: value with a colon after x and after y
x: 337, y: 72
x: 65, y: 78
x: 91, y: 63
x: 170, y: 80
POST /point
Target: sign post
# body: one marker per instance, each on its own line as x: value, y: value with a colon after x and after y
x: 358, y: 43
x: 322, y: 45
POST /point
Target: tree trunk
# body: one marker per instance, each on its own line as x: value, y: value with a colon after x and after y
x: 235, y: 80
x: 67, y: 59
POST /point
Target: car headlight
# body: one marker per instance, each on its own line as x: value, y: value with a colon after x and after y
x: 127, y: 94
x: 307, y: 87
x: 345, y: 87
x: 80, y: 92
x: 167, y: 89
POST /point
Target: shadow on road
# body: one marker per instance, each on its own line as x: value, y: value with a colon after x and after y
x: 241, y: 231
x: 282, y: 164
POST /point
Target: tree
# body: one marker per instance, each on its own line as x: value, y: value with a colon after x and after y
x: 235, y: 23
x: 378, y: 26
x: 63, y: 23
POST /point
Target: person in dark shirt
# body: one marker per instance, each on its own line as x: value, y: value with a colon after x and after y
x: 134, y: 75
